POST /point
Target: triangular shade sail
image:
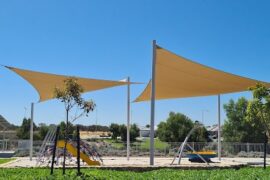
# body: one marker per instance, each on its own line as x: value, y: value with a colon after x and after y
x: 178, y: 77
x: 45, y: 83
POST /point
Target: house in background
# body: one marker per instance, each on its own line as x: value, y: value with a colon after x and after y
x: 144, y: 132
x: 213, y: 132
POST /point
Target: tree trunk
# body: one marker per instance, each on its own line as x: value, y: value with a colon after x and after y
x: 65, y: 147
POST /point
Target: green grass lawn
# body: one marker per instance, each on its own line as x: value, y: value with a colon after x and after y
x: 116, y: 144
x: 159, y: 145
x: 3, y: 161
x: 244, y: 173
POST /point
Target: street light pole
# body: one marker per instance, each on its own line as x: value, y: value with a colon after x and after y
x: 204, y: 110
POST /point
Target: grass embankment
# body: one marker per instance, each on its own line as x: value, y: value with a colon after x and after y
x: 245, y: 174
x: 6, y: 160
x: 115, y: 143
x: 159, y: 145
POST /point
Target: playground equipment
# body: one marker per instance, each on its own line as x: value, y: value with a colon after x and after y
x: 44, y: 153
x: 207, y: 155
x: 194, y: 156
x: 85, y: 155
x: 88, y: 154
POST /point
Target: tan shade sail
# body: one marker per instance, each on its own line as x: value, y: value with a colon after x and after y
x: 45, y: 83
x: 178, y: 77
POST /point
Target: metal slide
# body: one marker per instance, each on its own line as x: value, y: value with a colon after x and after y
x: 73, y: 150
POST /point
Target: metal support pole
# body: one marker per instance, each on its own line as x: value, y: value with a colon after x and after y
x: 54, y: 148
x: 31, y: 132
x: 78, y: 152
x: 128, y: 118
x: 152, y: 124
x: 219, y: 130
x: 265, y: 150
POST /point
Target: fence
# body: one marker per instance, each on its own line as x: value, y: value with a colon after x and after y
x: 168, y: 149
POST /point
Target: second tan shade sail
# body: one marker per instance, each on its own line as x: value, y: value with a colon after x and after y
x: 45, y: 83
x: 178, y: 77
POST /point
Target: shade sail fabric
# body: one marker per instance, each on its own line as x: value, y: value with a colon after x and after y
x: 178, y: 77
x: 45, y: 83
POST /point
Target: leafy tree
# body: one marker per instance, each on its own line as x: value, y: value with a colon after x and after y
x: 258, y: 111
x: 123, y: 132
x: 70, y: 95
x: 42, y: 130
x: 200, y: 135
x: 63, y: 126
x: 134, y: 132
x: 23, y: 132
x: 236, y: 128
x: 115, y: 130
x: 176, y: 128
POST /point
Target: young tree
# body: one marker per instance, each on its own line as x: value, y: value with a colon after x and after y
x: 70, y: 95
x: 258, y: 110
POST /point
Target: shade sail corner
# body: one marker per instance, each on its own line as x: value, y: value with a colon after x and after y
x: 178, y: 77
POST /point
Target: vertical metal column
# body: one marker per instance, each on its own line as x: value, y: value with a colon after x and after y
x: 31, y: 132
x: 265, y: 150
x: 152, y: 124
x: 128, y: 118
x: 219, y: 130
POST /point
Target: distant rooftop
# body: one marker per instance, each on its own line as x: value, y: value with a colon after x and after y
x: 213, y: 128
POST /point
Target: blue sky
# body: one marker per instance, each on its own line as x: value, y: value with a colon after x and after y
x: 112, y: 40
